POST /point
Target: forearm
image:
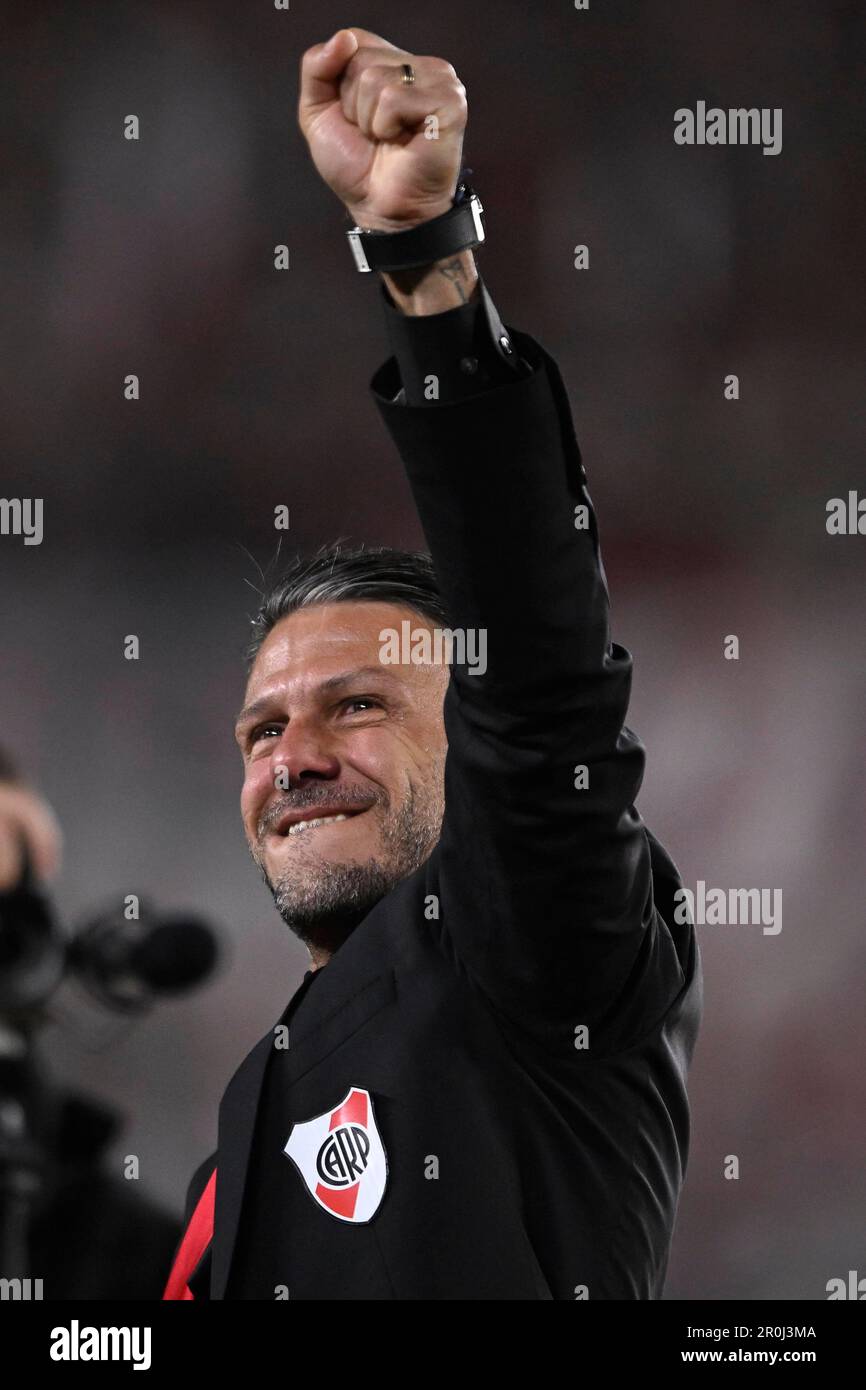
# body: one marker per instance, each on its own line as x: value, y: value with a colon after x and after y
x: 523, y: 562
x: 433, y: 289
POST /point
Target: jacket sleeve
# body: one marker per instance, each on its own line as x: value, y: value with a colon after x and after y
x: 543, y: 869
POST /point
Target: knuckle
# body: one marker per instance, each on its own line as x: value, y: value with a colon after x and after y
x: 391, y: 95
x: 441, y: 67
x: 370, y: 76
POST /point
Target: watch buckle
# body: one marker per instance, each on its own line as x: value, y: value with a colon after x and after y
x: 477, y: 209
x: 357, y: 249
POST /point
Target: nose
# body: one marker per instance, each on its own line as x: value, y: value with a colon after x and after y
x: 301, y: 754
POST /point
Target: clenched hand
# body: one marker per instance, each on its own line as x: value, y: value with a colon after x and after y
x: 368, y: 131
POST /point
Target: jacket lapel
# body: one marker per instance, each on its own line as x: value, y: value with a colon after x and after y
x: 237, y: 1121
x: 349, y: 990
x: 237, y: 1118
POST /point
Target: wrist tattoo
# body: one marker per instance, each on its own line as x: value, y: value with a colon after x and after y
x: 455, y: 271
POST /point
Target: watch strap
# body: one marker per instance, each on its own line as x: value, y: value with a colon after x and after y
x: 455, y: 230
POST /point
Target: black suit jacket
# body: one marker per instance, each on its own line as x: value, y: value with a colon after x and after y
x: 522, y: 1010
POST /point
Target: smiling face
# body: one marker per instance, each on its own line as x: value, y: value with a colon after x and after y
x: 343, y: 765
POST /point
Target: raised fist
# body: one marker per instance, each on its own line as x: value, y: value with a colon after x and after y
x: 369, y: 132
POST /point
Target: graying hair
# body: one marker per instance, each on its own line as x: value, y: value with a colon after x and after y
x: 336, y: 574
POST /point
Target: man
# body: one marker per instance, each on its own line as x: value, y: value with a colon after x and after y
x: 483, y: 1093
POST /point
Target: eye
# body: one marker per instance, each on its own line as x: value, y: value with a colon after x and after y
x: 262, y: 729
x: 361, y: 703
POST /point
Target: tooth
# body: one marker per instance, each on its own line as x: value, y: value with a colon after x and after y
x: 320, y: 820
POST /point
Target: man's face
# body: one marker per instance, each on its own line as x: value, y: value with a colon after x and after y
x: 328, y: 730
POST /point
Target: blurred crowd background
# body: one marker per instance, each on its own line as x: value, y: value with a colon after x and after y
x: 155, y: 257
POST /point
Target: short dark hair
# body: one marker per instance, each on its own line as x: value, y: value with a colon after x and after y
x: 340, y: 574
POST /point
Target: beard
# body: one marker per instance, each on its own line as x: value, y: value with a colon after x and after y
x: 322, y: 900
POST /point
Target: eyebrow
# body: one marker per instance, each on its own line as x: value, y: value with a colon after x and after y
x: 266, y: 702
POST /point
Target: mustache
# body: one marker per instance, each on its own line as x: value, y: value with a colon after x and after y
x: 308, y: 798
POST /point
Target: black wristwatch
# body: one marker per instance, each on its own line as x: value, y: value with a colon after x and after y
x: 455, y: 230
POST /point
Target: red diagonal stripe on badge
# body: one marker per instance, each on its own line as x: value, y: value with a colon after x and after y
x: 352, y: 1111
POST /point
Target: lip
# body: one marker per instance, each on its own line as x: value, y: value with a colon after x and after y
x: 314, y: 813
